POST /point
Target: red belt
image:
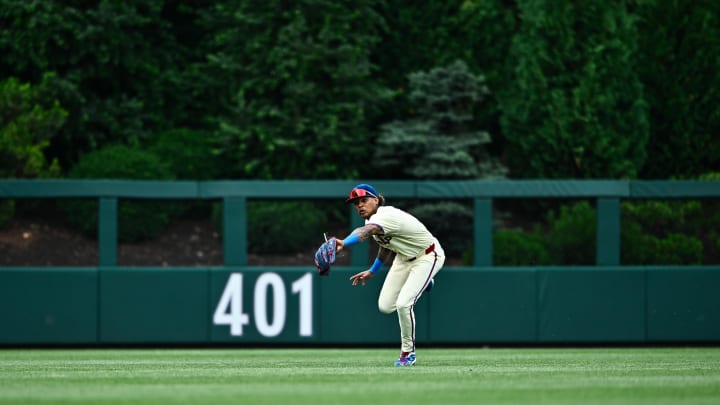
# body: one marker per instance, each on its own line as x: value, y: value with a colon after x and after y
x: 430, y: 249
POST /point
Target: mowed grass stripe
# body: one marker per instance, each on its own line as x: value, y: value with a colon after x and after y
x: 361, y: 376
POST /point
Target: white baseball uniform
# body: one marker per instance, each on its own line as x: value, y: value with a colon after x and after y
x: 418, y: 257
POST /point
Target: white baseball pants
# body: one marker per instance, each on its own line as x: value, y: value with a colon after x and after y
x: 404, y: 284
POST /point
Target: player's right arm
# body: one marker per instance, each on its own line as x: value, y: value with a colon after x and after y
x: 359, y: 235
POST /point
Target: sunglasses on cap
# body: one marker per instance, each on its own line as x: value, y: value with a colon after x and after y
x: 359, y: 193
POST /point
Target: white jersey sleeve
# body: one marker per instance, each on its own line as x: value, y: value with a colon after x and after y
x: 402, y: 233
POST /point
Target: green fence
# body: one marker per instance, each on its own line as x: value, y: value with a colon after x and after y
x: 240, y: 304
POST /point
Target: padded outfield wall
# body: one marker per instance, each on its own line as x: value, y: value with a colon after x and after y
x: 239, y: 304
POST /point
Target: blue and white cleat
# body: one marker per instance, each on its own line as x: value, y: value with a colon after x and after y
x: 405, y: 361
x: 430, y: 285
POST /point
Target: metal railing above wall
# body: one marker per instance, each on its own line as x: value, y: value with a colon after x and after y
x: 235, y: 194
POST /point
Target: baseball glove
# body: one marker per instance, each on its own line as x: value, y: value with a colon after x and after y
x: 325, y: 256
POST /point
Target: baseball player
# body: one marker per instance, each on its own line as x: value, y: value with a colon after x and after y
x: 415, y: 253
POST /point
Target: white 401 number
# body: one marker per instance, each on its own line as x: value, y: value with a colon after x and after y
x: 229, y: 310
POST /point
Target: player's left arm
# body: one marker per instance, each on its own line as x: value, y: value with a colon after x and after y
x: 385, y: 255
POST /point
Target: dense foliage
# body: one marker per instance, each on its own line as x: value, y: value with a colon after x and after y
x: 442, y: 138
x: 575, y: 107
x: 137, y: 220
x: 653, y: 233
x: 301, y: 86
x: 117, y: 63
x: 29, y: 119
x: 590, y: 89
x: 679, y: 54
x: 272, y: 225
x: 324, y: 89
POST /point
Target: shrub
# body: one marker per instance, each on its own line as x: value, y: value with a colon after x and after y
x: 650, y: 235
x: 678, y: 248
x: 571, y: 238
x: 652, y: 216
x: 643, y: 249
x: 137, y: 220
x: 280, y: 227
x: 713, y: 249
x: 663, y: 217
x: 29, y: 119
x: 707, y: 222
x: 698, y: 219
x: 636, y: 247
x: 191, y: 155
x: 653, y: 233
x: 7, y: 211
x: 519, y: 248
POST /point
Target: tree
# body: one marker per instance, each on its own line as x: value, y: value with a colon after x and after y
x: 301, y: 76
x: 28, y: 121
x: 575, y: 106
x: 425, y: 34
x: 680, y: 57
x: 441, y: 140
x: 119, y: 67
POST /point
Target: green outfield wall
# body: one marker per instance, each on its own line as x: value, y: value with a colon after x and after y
x: 292, y: 305
x: 239, y: 304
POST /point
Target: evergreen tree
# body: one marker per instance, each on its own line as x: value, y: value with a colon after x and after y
x: 430, y: 33
x: 680, y: 57
x: 441, y: 140
x: 575, y: 107
x: 301, y: 77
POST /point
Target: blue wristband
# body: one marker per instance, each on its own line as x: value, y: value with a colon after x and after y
x: 351, y: 240
x: 377, y: 265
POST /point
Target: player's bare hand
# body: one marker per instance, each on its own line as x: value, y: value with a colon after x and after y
x: 363, y: 276
x: 339, y: 245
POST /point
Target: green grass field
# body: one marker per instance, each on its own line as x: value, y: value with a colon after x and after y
x: 361, y: 376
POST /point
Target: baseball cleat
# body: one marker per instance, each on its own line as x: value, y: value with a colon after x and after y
x: 404, y: 361
x: 430, y: 285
